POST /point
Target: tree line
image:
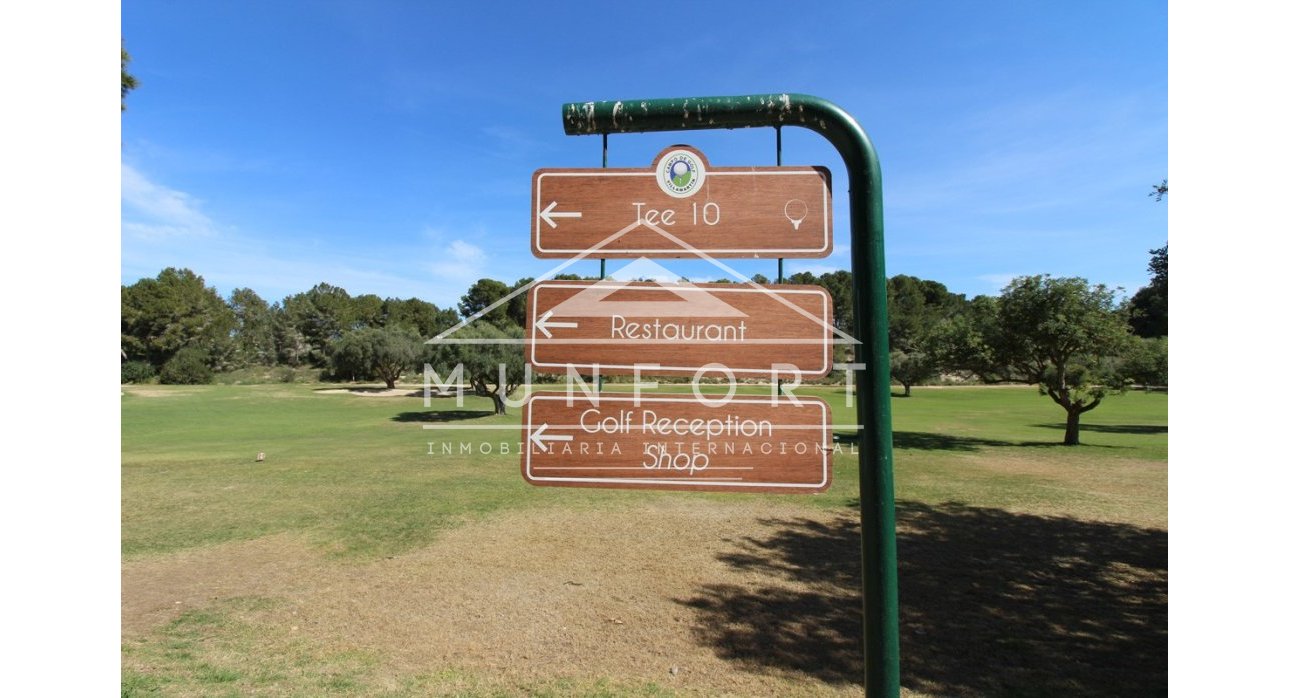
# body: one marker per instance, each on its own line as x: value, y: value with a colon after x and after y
x: 1072, y: 339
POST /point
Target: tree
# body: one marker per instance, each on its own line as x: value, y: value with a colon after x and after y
x: 381, y: 352
x: 320, y: 315
x: 517, y: 307
x: 912, y: 367
x: 289, y: 342
x: 1158, y: 266
x: 964, y: 341
x: 425, y: 318
x: 1058, y: 334
x: 838, y: 284
x: 916, y: 311
x: 253, y: 328
x: 803, y: 277
x: 394, y: 350
x: 367, y: 310
x: 189, y: 366
x: 128, y: 82
x: 1161, y: 190
x: 1146, y: 362
x: 482, y: 294
x: 494, y: 367
x: 175, y: 310
x: 1149, y: 307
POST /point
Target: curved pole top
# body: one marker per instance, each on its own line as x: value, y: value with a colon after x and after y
x: 744, y: 111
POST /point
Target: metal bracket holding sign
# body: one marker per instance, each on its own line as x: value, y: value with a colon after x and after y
x: 877, y: 495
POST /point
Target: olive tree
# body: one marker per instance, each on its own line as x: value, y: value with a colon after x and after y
x: 1059, y: 334
x: 492, y: 359
x: 381, y: 352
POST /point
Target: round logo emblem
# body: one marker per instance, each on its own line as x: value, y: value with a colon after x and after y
x: 680, y: 173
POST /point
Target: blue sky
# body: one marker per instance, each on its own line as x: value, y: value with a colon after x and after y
x: 388, y: 147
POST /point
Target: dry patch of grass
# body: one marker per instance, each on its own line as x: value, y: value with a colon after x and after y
x: 1133, y: 491
x: 527, y: 599
x: 374, y: 392
x: 155, y: 391
x: 675, y: 596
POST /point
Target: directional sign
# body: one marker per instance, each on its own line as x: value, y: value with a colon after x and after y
x: 625, y: 328
x: 678, y: 442
x: 682, y: 207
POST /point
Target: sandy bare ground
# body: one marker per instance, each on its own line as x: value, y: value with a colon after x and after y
x: 705, y: 597
x: 154, y: 392
x: 373, y: 392
x: 523, y: 595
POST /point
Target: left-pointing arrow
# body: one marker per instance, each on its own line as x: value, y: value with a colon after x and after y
x: 539, y: 438
x: 545, y: 321
x: 549, y: 214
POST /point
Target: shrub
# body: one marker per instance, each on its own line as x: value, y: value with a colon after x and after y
x: 189, y: 366
x: 1146, y: 362
x: 137, y: 372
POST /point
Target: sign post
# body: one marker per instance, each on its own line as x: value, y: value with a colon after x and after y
x: 877, y: 496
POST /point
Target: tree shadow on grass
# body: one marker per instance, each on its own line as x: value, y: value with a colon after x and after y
x: 931, y: 441
x: 366, y: 390
x: 441, y: 415
x: 991, y: 603
x: 1113, y: 428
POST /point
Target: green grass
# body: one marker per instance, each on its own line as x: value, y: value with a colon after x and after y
x: 353, y: 473
x: 979, y: 467
x: 1000, y: 447
x: 339, y: 468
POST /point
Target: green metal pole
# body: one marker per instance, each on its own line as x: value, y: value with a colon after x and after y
x: 779, y: 279
x: 600, y: 380
x: 877, y: 496
x: 604, y: 162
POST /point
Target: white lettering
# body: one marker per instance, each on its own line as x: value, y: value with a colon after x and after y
x: 621, y: 328
x: 655, y: 216
x: 732, y: 425
x: 657, y: 457
x: 607, y: 425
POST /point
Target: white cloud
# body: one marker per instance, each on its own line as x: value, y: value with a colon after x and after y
x: 998, y: 281
x: 465, y: 252
x: 151, y: 210
x: 461, y: 260
x: 277, y: 269
x: 164, y: 227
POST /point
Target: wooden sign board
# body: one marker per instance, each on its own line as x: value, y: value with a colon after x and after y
x: 676, y: 442
x: 714, y: 211
x: 781, y: 331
